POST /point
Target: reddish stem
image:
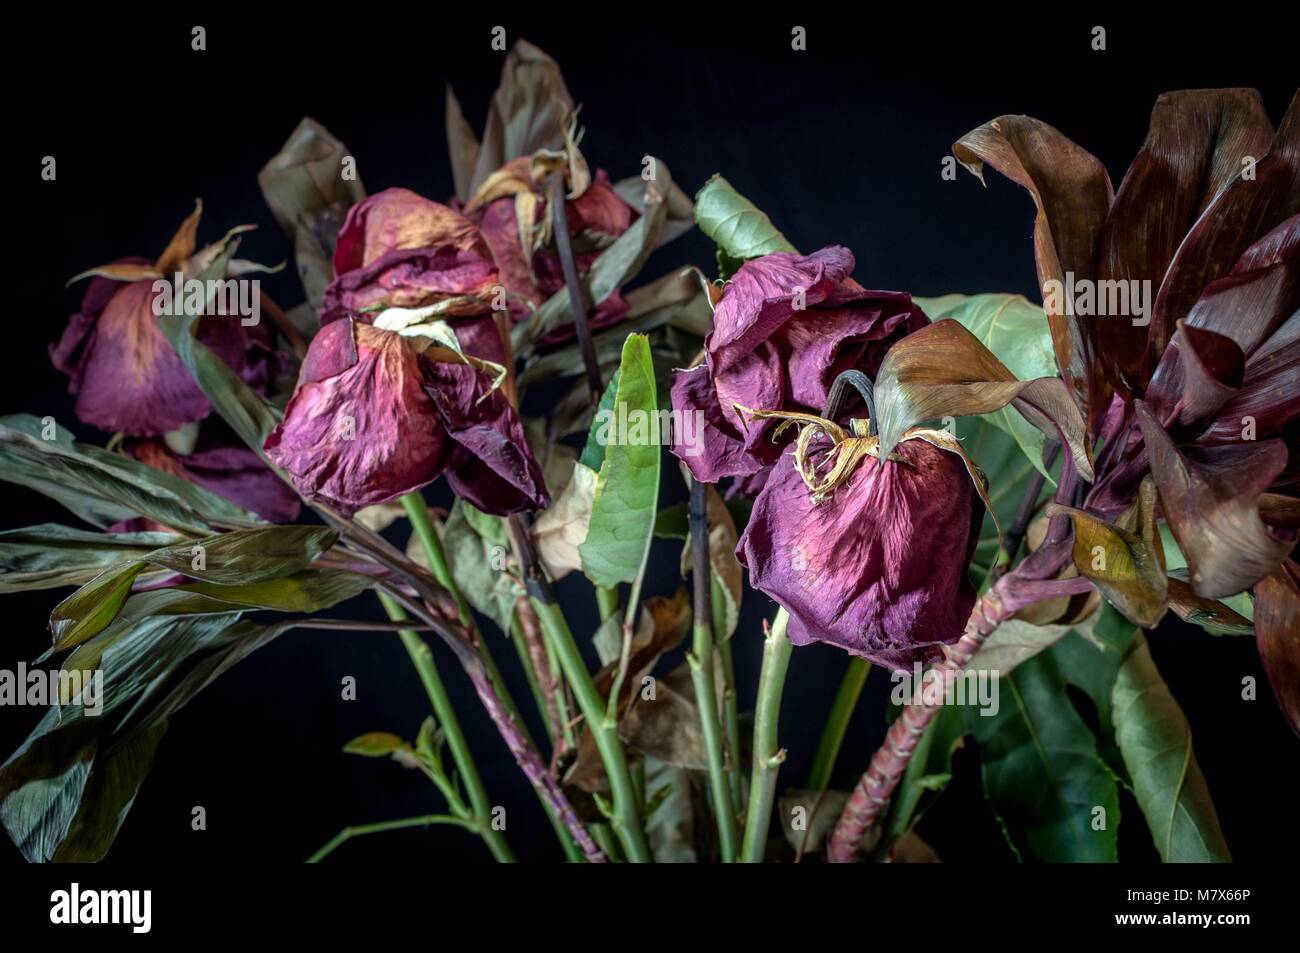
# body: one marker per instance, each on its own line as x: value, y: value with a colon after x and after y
x: 871, y: 796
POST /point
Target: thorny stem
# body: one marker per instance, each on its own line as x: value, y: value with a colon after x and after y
x: 526, y: 634
x: 627, y: 819
x: 702, y: 670
x: 491, y: 689
x: 871, y: 795
x: 767, y: 757
x: 445, y: 712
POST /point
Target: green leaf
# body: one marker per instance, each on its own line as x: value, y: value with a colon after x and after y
x: 593, y: 453
x: 376, y: 744
x: 230, y: 559
x: 739, y: 229
x: 65, y: 792
x: 1017, y: 333
x: 1008, y: 473
x: 1156, y: 742
x: 311, y: 590
x: 627, y: 488
x: 1043, y: 773
x: 476, y: 545
x: 102, y: 487
x: 50, y: 555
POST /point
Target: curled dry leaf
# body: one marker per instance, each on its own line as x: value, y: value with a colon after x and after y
x: 943, y: 370
x: 1126, y: 562
x: 560, y: 530
x: 1073, y: 193
x: 1211, y: 500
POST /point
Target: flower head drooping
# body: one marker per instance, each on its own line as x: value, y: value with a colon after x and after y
x: 127, y: 376
x: 379, y: 413
x: 866, y: 554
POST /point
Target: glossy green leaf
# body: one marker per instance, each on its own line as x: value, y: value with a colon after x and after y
x: 1044, y: 774
x: 627, y: 488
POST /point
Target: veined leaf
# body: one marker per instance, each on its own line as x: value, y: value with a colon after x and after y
x: 65, y: 792
x: 477, y: 548
x: 1156, y: 743
x: 739, y: 229
x: 627, y: 488
x: 230, y: 559
x: 102, y: 487
x: 1044, y: 774
x: 50, y: 555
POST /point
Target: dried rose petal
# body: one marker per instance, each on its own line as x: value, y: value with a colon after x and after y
x: 126, y: 374
x: 786, y: 327
x: 398, y: 249
x: 879, y: 567
x: 360, y: 428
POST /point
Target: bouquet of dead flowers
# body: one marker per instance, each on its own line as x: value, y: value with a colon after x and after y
x: 977, y: 493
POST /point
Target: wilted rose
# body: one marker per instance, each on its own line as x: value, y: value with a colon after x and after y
x: 866, y: 555
x: 787, y: 325
x: 530, y: 272
x: 127, y: 376
x: 374, y: 418
x: 399, y: 249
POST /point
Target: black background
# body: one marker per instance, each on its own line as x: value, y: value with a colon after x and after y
x: 841, y: 143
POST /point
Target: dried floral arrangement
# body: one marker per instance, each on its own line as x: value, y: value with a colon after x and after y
x: 988, y: 497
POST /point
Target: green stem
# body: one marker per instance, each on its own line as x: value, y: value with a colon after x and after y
x: 700, y: 659
x: 627, y: 807
x: 607, y: 601
x: 534, y: 686
x: 837, y: 723
x: 422, y: 659
x: 731, y: 712
x: 424, y: 820
x: 767, y: 756
x: 418, y: 513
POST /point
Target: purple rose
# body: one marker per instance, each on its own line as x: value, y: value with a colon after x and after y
x: 786, y: 327
x: 127, y: 376
x: 876, y: 562
x: 373, y: 418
